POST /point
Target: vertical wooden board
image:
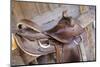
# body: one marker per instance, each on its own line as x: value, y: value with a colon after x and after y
x: 17, y: 11
x: 86, y: 18
x: 56, y: 5
x: 38, y: 8
x: 88, y: 46
x: 51, y: 7
x: 35, y: 12
x: 46, y: 7
x: 85, y: 44
x: 28, y: 9
x: 42, y: 8
x: 13, y: 23
x: 91, y: 45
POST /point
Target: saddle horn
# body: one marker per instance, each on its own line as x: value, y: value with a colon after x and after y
x: 64, y: 13
x: 67, y: 19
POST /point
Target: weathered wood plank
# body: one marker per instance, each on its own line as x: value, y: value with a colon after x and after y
x: 29, y: 9
x: 86, y: 18
x: 17, y: 11
x: 90, y: 48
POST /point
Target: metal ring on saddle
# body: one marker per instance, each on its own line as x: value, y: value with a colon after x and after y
x: 43, y: 46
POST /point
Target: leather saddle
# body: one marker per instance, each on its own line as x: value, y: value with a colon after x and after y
x: 33, y: 41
